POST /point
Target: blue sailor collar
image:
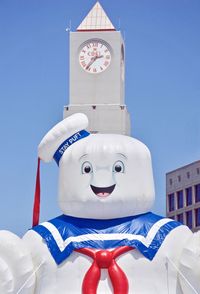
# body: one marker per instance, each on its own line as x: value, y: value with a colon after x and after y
x: 146, y: 232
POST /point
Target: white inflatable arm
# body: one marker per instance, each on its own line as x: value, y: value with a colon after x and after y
x: 189, y: 275
x: 16, y: 266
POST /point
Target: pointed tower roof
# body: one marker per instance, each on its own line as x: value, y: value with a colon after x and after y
x: 96, y: 20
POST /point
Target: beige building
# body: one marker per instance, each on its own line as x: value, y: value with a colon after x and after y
x: 183, y: 195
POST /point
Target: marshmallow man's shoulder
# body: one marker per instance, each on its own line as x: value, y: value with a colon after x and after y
x: 176, y: 240
x: 43, y: 261
x: 37, y: 246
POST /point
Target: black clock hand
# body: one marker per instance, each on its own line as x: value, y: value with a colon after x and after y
x: 93, y: 59
x: 91, y: 62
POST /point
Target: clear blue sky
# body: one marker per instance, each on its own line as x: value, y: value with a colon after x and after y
x: 162, y: 90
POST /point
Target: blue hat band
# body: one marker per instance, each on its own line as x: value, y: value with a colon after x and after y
x: 67, y: 143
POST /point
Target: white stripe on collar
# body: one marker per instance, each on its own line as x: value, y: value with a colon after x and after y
x: 146, y: 241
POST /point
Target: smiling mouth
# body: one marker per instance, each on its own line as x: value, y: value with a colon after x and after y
x: 103, y: 192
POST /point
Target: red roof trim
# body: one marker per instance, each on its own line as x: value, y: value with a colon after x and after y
x: 97, y: 30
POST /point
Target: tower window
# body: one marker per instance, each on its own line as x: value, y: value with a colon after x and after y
x: 180, y: 218
x: 171, y: 202
x: 197, y: 193
x: 180, y: 199
x: 188, y: 196
x: 189, y: 219
x: 197, y: 217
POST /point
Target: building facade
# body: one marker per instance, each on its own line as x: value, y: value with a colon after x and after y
x: 183, y: 195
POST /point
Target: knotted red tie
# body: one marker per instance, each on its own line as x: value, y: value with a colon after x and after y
x: 104, y: 259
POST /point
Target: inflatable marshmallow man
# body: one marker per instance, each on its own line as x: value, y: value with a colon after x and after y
x: 106, y: 240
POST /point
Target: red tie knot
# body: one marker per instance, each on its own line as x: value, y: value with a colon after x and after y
x: 104, y: 258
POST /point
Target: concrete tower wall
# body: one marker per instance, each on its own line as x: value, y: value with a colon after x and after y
x: 106, y: 87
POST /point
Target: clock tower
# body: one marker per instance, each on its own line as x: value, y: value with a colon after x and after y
x: 97, y: 74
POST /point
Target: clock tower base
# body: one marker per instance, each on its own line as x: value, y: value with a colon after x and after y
x: 103, y: 118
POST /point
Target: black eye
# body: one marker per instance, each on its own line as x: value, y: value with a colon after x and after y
x: 86, y: 168
x: 118, y: 167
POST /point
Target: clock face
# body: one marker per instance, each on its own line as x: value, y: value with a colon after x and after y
x: 95, y: 56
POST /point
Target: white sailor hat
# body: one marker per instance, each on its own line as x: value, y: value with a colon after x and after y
x: 54, y: 144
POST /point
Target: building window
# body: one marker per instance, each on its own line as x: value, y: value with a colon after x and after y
x: 197, y: 193
x: 189, y: 219
x: 171, y: 202
x: 198, y: 170
x: 189, y: 196
x: 180, y: 218
x: 170, y: 182
x: 179, y: 178
x: 197, y: 217
x: 180, y: 199
x: 188, y: 175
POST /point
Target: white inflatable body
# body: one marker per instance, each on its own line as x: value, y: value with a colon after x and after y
x: 102, y: 178
x: 149, y: 277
